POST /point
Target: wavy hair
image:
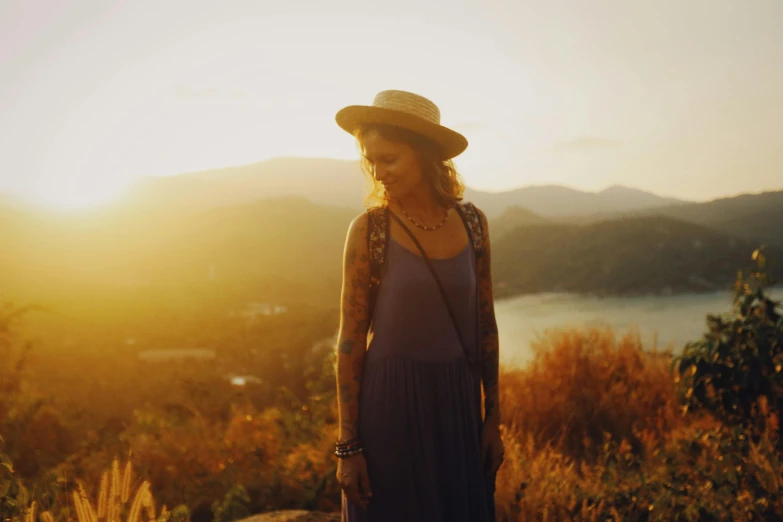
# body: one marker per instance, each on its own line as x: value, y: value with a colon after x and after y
x: 442, y: 176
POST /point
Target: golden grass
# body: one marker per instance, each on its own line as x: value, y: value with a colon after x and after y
x: 583, y: 384
x: 593, y: 431
x: 113, y: 499
x: 29, y: 516
x: 592, y: 427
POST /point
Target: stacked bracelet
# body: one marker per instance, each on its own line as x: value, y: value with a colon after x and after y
x: 349, y: 448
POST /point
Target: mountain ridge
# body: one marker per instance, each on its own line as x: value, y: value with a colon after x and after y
x: 291, y: 242
x: 341, y: 183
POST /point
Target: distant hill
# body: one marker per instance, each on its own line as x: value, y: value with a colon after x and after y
x: 558, y: 201
x: 292, y: 248
x: 641, y: 255
x: 512, y: 218
x: 755, y: 217
x: 269, y: 246
x: 341, y: 183
x: 322, y: 181
x: 283, y: 222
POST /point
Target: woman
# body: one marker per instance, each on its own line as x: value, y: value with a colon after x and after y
x: 412, y: 443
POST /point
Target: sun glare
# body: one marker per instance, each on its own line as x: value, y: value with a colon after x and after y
x: 75, y: 194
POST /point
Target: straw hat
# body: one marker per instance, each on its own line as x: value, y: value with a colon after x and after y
x: 409, y: 111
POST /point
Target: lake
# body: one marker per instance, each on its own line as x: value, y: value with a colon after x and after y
x: 674, y: 319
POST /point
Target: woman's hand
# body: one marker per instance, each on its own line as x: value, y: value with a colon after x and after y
x: 492, y: 450
x: 353, y: 479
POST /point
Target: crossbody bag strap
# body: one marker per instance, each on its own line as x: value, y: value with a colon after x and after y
x: 440, y: 287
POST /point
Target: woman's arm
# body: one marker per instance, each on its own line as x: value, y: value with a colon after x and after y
x: 354, y: 323
x: 489, y: 330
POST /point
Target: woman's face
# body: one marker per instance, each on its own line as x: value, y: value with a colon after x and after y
x: 395, y: 165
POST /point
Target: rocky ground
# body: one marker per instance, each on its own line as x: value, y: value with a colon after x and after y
x: 294, y: 516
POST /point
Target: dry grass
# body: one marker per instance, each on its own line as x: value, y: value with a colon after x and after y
x: 583, y: 384
x: 592, y: 428
x: 45, y: 516
x: 593, y: 431
x: 114, y: 495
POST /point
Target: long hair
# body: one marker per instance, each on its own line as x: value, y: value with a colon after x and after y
x: 441, y: 175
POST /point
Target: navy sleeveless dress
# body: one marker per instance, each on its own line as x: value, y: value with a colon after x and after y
x: 420, y: 403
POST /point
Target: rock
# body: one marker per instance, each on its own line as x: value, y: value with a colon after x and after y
x: 294, y: 516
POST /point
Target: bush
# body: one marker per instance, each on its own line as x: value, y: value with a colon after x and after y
x: 583, y: 384
x: 683, y: 468
x: 735, y: 371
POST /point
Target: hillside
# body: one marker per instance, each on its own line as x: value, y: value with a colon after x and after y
x: 558, y: 201
x: 289, y: 247
x: 271, y: 246
x: 512, y: 218
x: 341, y: 183
x: 644, y: 255
x: 756, y: 217
x: 320, y: 180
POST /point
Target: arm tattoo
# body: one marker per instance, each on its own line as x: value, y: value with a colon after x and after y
x: 346, y: 347
x: 489, y: 332
x: 352, y: 337
x: 345, y: 393
x: 360, y: 287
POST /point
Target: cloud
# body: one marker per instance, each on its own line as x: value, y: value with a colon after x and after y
x: 585, y: 143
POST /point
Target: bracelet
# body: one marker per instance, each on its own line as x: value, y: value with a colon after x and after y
x: 347, y: 443
x: 348, y: 448
x: 342, y: 453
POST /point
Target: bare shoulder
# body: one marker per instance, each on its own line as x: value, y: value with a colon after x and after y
x: 358, y: 226
x: 356, y: 238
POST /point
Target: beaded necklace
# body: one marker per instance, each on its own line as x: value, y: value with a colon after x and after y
x: 424, y: 227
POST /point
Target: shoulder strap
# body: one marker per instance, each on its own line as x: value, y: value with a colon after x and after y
x: 472, y: 222
x: 377, y: 243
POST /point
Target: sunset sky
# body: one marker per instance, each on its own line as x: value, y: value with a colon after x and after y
x: 679, y: 97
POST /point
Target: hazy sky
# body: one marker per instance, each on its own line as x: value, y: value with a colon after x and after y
x: 680, y: 97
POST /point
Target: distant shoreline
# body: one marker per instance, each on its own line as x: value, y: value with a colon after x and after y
x: 608, y: 295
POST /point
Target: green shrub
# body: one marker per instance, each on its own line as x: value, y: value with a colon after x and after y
x: 233, y: 507
x: 14, y: 497
x: 734, y: 371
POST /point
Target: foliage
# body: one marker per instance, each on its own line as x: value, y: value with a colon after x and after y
x: 233, y: 507
x: 13, y: 358
x: 583, y: 384
x: 190, y: 432
x: 671, y: 467
x: 594, y: 427
x: 631, y: 256
x: 29, y: 433
x: 14, y: 497
x: 115, y: 503
x: 702, y: 471
x: 734, y: 372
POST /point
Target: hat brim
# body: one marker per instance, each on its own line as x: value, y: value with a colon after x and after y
x: 452, y: 143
